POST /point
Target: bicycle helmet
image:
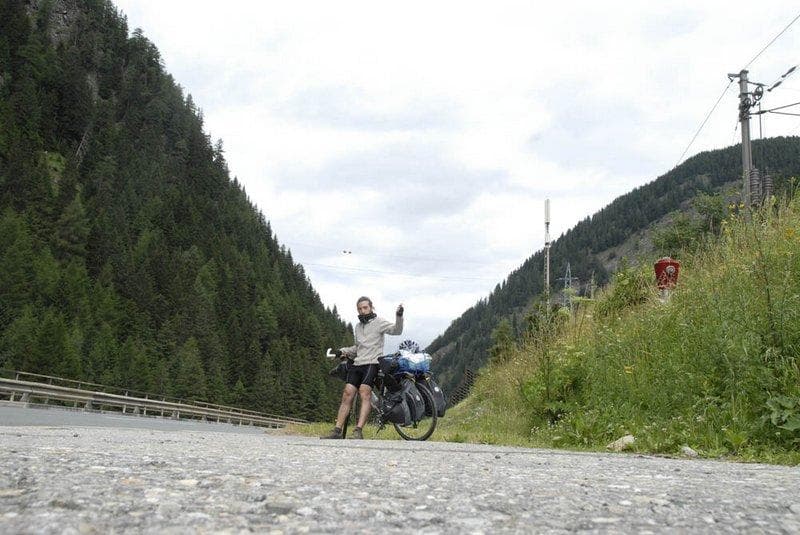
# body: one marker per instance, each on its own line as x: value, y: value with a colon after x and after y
x: 409, y: 345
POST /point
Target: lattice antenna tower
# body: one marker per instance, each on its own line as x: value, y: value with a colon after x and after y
x: 568, y: 281
x: 568, y: 278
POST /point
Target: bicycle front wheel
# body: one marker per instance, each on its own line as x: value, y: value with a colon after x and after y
x: 422, y: 429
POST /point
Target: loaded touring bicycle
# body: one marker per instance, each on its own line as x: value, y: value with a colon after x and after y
x: 404, y: 395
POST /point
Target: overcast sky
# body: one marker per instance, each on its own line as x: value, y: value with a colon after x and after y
x: 423, y: 137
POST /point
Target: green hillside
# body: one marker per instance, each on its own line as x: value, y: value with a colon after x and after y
x: 465, y: 344
x: 128, y: 255
x: 715, y: 368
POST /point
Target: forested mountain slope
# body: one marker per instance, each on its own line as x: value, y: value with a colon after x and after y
x: 128, y: 255
x: 465, y: 344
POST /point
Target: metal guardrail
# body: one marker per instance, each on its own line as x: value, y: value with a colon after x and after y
x: 82, y: 385
x: 35, y: 392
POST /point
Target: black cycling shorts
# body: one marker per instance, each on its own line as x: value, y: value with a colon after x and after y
x: 362, y: 375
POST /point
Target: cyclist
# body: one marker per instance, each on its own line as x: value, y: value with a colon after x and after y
x: 369, y: 335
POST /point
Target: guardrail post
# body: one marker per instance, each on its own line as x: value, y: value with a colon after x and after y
x: 136, y: 410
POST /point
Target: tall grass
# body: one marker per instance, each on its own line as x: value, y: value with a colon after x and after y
x: 715, y: 368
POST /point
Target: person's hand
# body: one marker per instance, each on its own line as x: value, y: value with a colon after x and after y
x: 400, y: 309
x: 338, y: 353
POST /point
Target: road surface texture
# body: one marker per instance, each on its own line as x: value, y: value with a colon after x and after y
x: 81, y: 479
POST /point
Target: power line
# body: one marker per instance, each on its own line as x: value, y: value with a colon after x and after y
x: 714, y: 107
x: 398, y: 273
x: 708, y: 115
x: 773, y: 40
x: 411, y: 256
x: 783, y: 113
x: 773, y: 110
x: 783, y: 77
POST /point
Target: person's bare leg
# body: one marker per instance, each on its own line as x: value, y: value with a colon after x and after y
x: 348, y: 395
x: 366, y: 393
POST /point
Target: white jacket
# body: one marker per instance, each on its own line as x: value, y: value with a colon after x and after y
x: 369, y: 340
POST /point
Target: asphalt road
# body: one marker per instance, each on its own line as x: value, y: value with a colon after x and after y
x: 65, y: 478
x: 17, y: 414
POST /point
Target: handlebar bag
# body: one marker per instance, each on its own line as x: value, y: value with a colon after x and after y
x: 340, y: 370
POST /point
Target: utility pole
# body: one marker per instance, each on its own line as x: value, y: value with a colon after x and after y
x: 747, y: 151
x: 751, y: 181
x: 547, y: 253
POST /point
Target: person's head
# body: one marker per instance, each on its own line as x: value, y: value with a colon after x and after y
x: 364, y: 305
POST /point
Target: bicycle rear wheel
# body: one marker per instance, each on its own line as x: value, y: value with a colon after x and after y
x: 422, y: 429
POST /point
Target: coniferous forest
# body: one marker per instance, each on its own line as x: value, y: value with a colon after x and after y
x: 466, y: 344
x: 128, y: 254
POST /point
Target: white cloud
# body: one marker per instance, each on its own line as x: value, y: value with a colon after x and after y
x: 424, y: 136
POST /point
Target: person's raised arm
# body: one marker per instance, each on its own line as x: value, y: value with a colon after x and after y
x: 396, y: 327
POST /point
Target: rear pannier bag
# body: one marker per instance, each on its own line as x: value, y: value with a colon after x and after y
x: 414, y: 399
x: 395, y: 409
x: 439, y: 399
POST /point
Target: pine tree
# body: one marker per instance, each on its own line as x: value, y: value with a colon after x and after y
x: 190, y: 377
x: 50, y: 347
x: 72, y: 230
x: 19, y: 341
